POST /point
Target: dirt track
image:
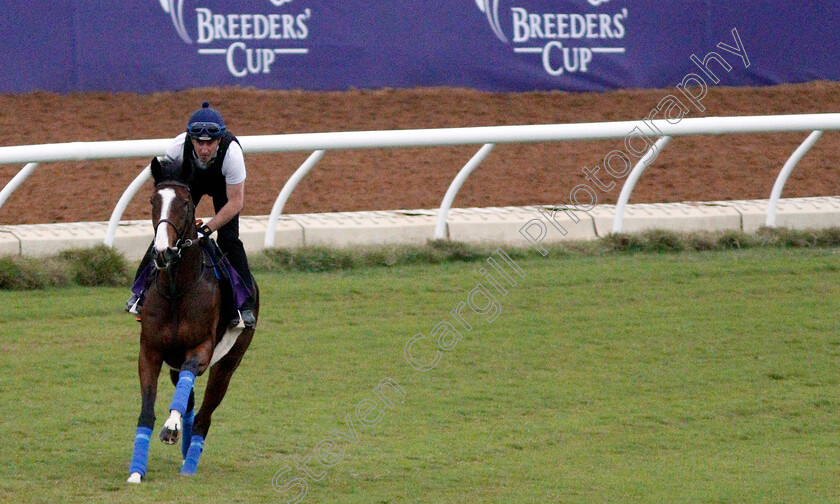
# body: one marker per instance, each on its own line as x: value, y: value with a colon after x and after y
x: 691, y: 168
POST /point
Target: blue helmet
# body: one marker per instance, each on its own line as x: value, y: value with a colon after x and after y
x: 206, y: 123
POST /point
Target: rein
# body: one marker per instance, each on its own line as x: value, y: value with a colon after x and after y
x: 173, y: 293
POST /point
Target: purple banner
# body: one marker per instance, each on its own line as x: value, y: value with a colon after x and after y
x: 499, y: 45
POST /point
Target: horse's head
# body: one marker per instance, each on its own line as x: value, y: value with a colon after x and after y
x: 173, y: 213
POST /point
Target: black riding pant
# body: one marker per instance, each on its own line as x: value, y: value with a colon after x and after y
x: 231, y: 245
x: 228, y: 240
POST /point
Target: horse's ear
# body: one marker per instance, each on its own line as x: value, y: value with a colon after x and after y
x: 157, y: 170
x: 187, y: 171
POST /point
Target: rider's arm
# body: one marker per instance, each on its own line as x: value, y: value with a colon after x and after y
x: 233, y: 168
x: 235, y: 202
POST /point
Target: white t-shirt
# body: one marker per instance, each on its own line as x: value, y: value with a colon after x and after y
x: 233, y: 166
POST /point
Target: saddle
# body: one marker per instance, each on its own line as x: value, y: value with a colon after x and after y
x: 234, y: 293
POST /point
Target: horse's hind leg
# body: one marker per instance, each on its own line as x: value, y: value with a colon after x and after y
x: 149, y: 369
x: 189, y: 416
x: 217, y: 385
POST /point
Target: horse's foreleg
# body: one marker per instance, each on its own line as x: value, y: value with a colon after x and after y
x: 183, y: 390
x: 149, y: 369
x: 188, y: 418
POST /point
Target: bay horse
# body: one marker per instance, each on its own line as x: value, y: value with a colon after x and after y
x: 182, y: 325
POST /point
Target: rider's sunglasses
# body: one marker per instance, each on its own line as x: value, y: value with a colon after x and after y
x: 204, y: 129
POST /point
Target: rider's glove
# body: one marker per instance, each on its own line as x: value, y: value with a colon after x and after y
x: 204, y: 231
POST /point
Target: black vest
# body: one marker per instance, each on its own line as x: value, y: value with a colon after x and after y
x: 209, y: 180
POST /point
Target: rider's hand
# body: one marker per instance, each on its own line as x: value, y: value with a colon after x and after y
x: 204, y: 231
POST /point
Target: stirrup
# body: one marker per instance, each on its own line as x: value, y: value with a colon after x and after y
x: 134, y: 305
x: 245, y: 318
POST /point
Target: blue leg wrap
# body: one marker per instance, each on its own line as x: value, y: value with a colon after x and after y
x: 141, y: 451
x: 182, y: 392
x: 186, y: 431
x: 191, y: 462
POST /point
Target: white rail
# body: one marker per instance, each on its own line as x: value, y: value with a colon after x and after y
x: 122, y: 204
x: 455, y: 186
x: 487, y: 136
x: 630, y: 183
x: 290, y: 185
x: 776, y: 193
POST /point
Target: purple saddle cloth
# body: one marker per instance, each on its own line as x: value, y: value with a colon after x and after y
x: 240, y: 290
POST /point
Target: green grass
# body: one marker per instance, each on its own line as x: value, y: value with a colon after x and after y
x: 681, y: 377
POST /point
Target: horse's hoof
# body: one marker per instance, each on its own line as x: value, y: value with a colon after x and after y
x: 169, y: 436
x: 134, y: 478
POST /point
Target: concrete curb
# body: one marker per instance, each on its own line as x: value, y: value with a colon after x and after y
x: 681, y: 217
x: 9, y: 243
x: 796, y: 213
x: 501, y: 225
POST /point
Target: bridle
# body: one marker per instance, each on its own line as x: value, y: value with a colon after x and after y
x: 172, y: 255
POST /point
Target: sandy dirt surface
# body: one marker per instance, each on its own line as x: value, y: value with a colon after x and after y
x: 699, y: 168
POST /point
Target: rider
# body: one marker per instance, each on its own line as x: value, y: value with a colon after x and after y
x: 219, y: 172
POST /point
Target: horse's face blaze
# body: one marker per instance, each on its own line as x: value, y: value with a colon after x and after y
x: 173, y: 219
